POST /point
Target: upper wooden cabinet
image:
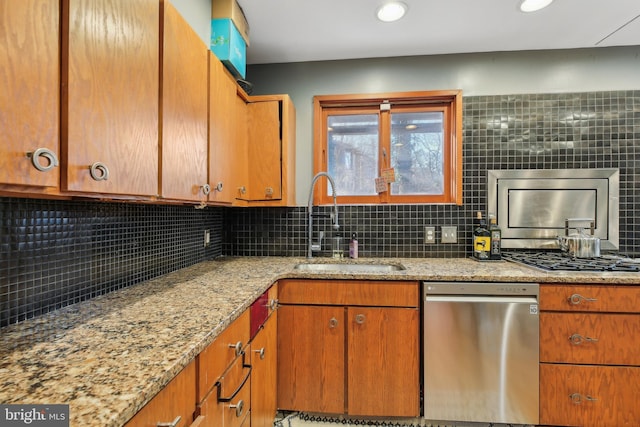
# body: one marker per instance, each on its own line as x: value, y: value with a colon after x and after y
x: 110, y: 96
x: 223, y: 157
x: 184, y: 110
x: 269, y: 125
x: 30, y: 87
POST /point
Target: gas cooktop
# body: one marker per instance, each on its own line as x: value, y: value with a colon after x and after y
x: 559, y: 261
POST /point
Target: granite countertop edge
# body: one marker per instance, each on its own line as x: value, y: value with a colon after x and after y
x: 107, y: 357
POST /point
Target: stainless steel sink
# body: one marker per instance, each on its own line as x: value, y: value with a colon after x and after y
x: 349, y: 268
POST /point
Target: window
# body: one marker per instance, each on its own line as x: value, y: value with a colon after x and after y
x: 390, y: 148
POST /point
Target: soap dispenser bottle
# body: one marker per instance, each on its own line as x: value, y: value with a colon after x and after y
x: 353, y: 246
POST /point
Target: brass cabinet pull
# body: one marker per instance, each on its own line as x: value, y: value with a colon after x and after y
x: 576, y: 299
x: 577, y: 398
x: 237, y: 347
x: 577, y: 339
x: 50, y: 156
x: 99, y: 171
x: 174, y: 423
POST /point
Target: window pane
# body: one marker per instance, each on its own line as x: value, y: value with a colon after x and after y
x: 417, y: 153
x: 352, y: 142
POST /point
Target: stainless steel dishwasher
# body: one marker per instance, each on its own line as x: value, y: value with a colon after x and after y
x: 481, y: 352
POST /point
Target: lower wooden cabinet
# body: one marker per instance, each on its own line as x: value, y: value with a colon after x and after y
x: 263, y: 374
x: 177, y: 399
x: 589, y: 359
x: 599, y: 396
x: 349, y: 351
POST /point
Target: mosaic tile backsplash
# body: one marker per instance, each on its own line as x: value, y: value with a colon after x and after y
x: 56, y: 253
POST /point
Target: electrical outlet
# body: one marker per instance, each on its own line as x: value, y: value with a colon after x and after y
x: 449, y: 234
x: 429, y: 235
x: 207, y: 238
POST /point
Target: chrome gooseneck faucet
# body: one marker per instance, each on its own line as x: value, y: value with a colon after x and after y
x: 336, y: 226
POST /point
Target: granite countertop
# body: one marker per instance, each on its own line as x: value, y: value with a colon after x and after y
x: 107, y: 357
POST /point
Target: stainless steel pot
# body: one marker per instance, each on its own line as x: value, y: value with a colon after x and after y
x: 580, y: 245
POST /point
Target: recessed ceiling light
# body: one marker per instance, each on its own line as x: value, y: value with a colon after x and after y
x: 534, y: 5
x: 391, y: 11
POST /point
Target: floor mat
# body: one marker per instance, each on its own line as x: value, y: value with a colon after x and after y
x: 310, y: 420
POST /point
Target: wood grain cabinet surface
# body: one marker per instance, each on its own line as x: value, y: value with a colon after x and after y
x: 184, y: 142
x: 266, y: 131
x: 349, y: 347
x: 224, y: 370
x: 589, y: 359
x: 30, y: 88
x: 264, y: 359
x: 110, y: 97
x: 224, y: 157
x: 177, y: 399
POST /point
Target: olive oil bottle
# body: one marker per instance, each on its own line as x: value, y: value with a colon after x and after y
x: 481, y: 239
x: 496, y: 237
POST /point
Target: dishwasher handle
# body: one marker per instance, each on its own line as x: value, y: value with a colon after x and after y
x: 498, y: 299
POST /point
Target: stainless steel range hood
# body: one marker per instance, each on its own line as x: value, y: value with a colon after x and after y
x: 532, y: 206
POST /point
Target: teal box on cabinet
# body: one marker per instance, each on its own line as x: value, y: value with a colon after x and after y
x: 229, y: 46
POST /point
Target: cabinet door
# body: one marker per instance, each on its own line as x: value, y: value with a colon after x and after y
x: 311, y: 371
x: 177, y: 399
x: 240, y: 153
x: 383, y: 361
x: 263, y: 375
x: 30, y: 88
x: 184, y: 110
x: 264, y: 151
x: 222, y: 131
x: 110, y: 96
x: 589, y: 396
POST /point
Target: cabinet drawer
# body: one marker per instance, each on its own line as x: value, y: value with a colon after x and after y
x: 616, y: 299
x: 350, y: 292
x: 609, y: 339
x: 217, y: 357
x: 234, y: 391
x: 589, y: 396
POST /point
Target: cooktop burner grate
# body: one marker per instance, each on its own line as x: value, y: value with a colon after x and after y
x: 558, y: 261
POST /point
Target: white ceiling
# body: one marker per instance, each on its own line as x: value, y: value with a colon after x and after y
x: 284, y: 31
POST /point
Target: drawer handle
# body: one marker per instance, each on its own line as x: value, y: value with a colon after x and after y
x: 206, y: 189
x: 577, y: 398
x: 238, y: 407
x: 237, y: 347
x: 333, y: 323
x: 576, y: 299
x: 260, y: 353
x: 577, y: 339
x: 360, y: 318
x: 273, y: 304
x: 174, y: 423
x: 237, y: 390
